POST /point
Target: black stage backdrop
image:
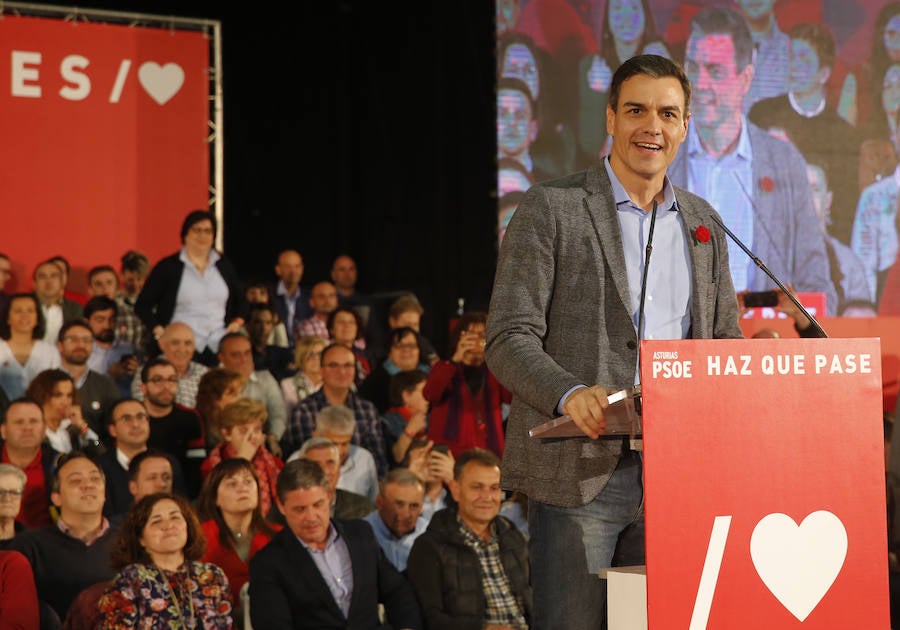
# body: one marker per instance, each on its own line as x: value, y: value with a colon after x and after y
x: 364, y: 128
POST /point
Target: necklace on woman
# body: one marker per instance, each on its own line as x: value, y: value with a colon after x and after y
x: 187, y: 621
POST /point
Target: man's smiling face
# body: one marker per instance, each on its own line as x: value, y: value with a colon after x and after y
x: 649, y: 125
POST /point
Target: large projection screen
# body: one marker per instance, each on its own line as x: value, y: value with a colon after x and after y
x: 799, y: 153
x: 112, y: 128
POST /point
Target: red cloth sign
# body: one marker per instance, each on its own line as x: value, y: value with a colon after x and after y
x: 105, y: 139
x: 765, y: 484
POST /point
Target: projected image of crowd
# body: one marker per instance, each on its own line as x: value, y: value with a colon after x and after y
x: 793, y: 136
x: 181, y: 448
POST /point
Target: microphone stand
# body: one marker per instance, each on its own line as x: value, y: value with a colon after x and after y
x: 771, y: 275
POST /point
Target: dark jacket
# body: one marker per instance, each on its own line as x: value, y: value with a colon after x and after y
x: 446, y: 573
x: 288, y: 591
x: 64, y: 566
x: 156, y: 303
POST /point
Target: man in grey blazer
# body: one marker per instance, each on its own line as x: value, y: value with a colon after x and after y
x: 756, y: 181
x: 562, y: 332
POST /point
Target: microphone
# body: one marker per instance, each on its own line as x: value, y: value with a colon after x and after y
x: 640, y: 322
x: 771, y: 275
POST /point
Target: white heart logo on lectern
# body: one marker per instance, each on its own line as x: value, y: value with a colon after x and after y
x: 799, y: 563
x: 161, y: 82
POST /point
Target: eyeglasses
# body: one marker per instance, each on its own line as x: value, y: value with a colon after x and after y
x: 74, y: 339
x: 342, y: 366
x: 11, y: 492
x: 406, y: 346
x: 159, y: 380
x: 131, y: 417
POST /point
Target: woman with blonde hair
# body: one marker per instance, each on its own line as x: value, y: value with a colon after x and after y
x: 241, y: 424
x: 308, y: 379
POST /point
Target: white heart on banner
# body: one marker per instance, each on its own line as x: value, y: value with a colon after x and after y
x: 161, y: 82
x: 799, y: 563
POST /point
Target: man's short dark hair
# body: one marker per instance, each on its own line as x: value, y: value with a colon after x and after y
x: 233, y: 335
x: 480, y: 456
x: 514, y: 83
x: 65, y: 458
x: 820, y: 37
x: 300, y: 474
x: 726, y: 21
x: 21, y: 400
x: 256, y: 307
x: 135, y: 262
x: 134, y: 466
x: 152, y: 363
x: 69, y: 325
x: 100, y: 303
x: 63, y: 260
x: 405, y: 381
x: 101, y: 269
x: 655, y: 67
x: 110, y: 415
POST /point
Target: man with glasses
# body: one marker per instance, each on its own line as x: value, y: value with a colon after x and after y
x: 338, y: 371
x: 174, y: 428
x: 12, y: 487
x: 178, y: 347
x: 97, y: 392
x: 129, y: 424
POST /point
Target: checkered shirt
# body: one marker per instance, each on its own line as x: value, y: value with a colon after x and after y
x: 501, y: 608
x: 368, y: 434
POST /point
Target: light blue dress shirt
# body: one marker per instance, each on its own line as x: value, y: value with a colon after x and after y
x: 201, y: 300
x: 334, y: 564
x: 667, y: 305
x: 727, y: 184
x: 395, y: 549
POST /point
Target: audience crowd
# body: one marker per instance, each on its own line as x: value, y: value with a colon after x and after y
x: 220, y: 454
x: 182, y: 447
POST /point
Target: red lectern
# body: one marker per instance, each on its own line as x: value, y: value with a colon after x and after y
x: 765, y: 484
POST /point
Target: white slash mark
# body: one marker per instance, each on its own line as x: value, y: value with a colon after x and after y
x: 119, y: 85
x: 710, y: 576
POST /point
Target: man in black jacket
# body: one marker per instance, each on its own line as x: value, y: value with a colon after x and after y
x: 470, y: 567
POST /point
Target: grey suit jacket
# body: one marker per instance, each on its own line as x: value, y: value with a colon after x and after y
x: 560, y: 316
x: 787, y: 234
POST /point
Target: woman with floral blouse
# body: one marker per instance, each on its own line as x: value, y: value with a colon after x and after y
x: 161, y: 583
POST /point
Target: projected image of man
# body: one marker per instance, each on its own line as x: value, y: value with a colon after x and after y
x: 756, y: 181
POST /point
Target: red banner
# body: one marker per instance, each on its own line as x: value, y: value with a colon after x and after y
x: 765, y: 484
x: 105, y: 139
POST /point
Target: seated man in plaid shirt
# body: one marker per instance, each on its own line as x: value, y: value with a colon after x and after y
x: 470, y: 567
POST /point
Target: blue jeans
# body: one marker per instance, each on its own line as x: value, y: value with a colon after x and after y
x: 569, y: 546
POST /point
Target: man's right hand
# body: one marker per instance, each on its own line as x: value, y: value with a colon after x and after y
x: 586, y: 407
